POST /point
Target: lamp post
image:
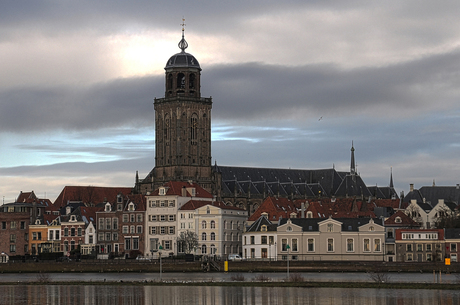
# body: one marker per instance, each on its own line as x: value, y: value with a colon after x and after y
x: 287, y: 248
x: 159, y: 253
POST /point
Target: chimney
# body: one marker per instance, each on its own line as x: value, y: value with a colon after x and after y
x: 184, y: 192
x: 411, y: 187
x: 302, y: 210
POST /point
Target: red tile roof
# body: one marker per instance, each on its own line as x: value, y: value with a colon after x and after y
x: 89, y: 194
x: 406, y: 221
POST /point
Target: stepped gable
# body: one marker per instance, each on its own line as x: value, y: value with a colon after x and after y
x: 274, y: 181
x: 262, y: 221
x: 89, y: 195
x: 404, y: 220
x: 175, y: 188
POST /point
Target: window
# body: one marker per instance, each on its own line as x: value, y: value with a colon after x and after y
x: 203, y: 236
x: 100, y: 236
x: 3, y: 225
x: 13, y: 238
x: 139, y: 217
x: 66, y: 231
x: 419, y: 247
x: 108, y: 236
x: 127, y: 243
x: 101, y: 224
x: 409, y: 257
x: 252, y: 240
x: 23, y: 225
x: 163, y: 218
x: 108, y: 224
x: 171, y: 203
x: 330, y: 245
x: 213, y: 224
x: 263, y: 228
x: 125, y: 217
x: 125, y: 230
x: 263, y: 240
x: 271, y: 240
x: 453, y: 247
x: 428, y: 247
x: 213, y: 236
x: 371, y: 228
x: 72, y: 231
x: 167, y: 245
x: 115, y: 237
x: 350, y: 247
x: 135, y: 243
x: 284, y: 244
x: 366, y: 244
x: 377, y: 245
x: 409, y: 248
x: 139, y: 229
x: 171, y: 230
x: 330, y: 227
x: 208, y: 210
x: 172, y: 217
x: 79, y: 231
x: 132, y: 217
x: 390, y: 233
x: 311, y: 245
x: 203, y: 249
x: 34, y: 235
x: 119, y: 207
x: 429, y: 257
x: 153, y: 230
x: 13, y: 248
x: 294, y: 245
x: 453, y: 257
x: 51, y: 235
x: 398, y: 219
x: 132, y: 229
x: 162, y: 230
x: 13, y: 225
x: 115, y: 224
x: 203, y: 224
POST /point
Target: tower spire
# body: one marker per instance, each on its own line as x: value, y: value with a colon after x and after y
x: 352, y: 165
x: 391, y: 177
x: 183, y: 44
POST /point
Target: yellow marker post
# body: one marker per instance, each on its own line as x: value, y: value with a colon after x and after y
x: 447, y: 261
x: 226, y: 266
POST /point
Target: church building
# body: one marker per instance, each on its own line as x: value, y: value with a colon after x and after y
x: 183, y: 152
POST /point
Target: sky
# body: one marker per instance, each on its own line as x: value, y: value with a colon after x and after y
x: 293, y: 83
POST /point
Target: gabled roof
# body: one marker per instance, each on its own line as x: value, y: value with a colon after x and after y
x: 262, y: 221
x: 275, y: 208
x: 406, y: 221
x: 89, y: 195
x: 348, y: 224
x: 196, y: 204
x: 175, y: 188
x: 26, y: 197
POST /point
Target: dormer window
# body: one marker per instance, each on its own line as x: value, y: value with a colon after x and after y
x: 398, y: 219
x: 162, y: 191
x: 131, y: 206
x: 119, y: 207
x: 73, y: 218
x: 263, y: 228
x: 107, y: 207
x: 119, y: 199
x: 289, y: 229
x: 37, y: 222
x: 68, y: 210
x: 208, y: 211
x: 371, y: 228
x: 330, y: 227
x: 309, y: 214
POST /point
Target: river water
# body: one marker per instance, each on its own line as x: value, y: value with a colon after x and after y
x: 175, y: 295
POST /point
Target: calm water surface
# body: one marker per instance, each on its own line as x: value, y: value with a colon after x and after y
x: 140, y: 295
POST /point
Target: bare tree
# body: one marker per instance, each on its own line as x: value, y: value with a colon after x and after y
x: 188, y: 240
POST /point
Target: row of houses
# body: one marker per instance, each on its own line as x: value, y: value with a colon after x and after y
x: 128, y: 226
x: 397, y: 239
x: 113, y: 222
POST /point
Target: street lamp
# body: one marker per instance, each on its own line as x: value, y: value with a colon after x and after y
x: 287, y: 248
x: 159, y: 253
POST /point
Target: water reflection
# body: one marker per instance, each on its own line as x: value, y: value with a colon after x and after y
x: 174, y: 295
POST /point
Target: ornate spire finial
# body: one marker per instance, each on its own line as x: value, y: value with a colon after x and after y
x: 183, y: 44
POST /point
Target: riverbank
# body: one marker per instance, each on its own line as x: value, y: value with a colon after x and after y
x: 112, y: 266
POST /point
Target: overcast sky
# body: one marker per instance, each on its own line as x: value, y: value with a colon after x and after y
x: 293, y: 84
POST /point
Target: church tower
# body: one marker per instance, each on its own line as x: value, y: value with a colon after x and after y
x: 182, y: 126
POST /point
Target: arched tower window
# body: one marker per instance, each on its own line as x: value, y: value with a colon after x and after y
x: 181, y: 81
x: 193, y: 128
x: 191, y: 83
x: 169, y: 83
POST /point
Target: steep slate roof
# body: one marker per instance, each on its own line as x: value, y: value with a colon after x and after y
x: 257, y: 225
x: 175, y: 188
x: 272, y: 181
x: 275, y: 208
x: 434, y: 193
x: 348, y: 224
x: 89, y: 194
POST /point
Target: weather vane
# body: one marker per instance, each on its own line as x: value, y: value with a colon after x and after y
x: 183, y: 25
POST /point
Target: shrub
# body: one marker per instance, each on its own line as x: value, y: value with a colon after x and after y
x: 296, y: 277
x: 262, y: 278
x: 238, y: 277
